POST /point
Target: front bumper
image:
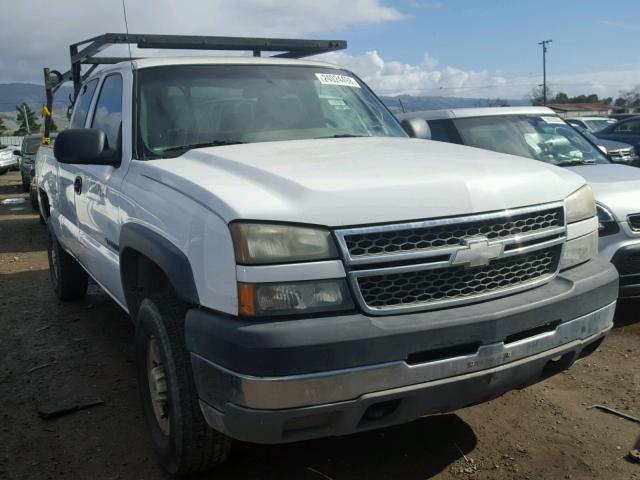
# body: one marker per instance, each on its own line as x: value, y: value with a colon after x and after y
x: 288, y: 380
x: 623, y: 250
x: 627, y: 261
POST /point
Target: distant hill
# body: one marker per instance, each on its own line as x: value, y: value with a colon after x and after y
x: 33, y: 94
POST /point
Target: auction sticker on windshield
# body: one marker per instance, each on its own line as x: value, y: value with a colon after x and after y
x: 555, y: 120
x: 333, y: 79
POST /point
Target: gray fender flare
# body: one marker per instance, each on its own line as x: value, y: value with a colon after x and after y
x: 136, y: 239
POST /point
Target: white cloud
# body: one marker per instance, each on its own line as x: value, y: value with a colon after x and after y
x: 429, y: 78
x: 426, y: 78
x: 23, y: 55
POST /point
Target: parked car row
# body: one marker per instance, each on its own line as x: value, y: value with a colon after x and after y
x: 538, y: 133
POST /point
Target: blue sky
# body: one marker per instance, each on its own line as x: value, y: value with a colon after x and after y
x: 502, y: 35
x: 482, y: 48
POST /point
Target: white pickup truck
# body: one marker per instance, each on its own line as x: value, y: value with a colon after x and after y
x: 297, y: 267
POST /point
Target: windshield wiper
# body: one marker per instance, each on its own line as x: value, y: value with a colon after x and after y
x: 215, y: 143
x: 343, y: 135
x: 572, y: 163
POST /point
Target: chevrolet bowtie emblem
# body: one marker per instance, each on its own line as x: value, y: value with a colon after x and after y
x: 478, y: 252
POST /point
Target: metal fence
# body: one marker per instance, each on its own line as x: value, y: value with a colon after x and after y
x: 11, y: 140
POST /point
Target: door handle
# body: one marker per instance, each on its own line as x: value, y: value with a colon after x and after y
x: 77, y: 185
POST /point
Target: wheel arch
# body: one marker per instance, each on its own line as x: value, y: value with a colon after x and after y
x: 149, y: 263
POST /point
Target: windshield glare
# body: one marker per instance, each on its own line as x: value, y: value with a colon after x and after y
x: 545, y: 138
x: 597, y: 125
x: 198, y: 105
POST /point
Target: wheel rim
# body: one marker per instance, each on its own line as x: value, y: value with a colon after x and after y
x: 158, y: 386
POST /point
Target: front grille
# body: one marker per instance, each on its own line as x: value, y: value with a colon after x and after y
x: 431, y: 264
x: 451, y: 234
x: 445, y: 284
x: 634, y: 222
x: 623, y: 153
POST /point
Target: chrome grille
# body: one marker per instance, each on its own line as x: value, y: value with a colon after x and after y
x: 623, y: 153
x: 418, y: 236
x: 446, y: 284
x: 434, y: 263
x: 634, y: 222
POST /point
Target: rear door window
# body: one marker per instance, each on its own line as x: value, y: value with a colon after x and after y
x: 83, y: 102
x: 108, y: 112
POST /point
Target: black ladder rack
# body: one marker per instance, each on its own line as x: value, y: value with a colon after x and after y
x: 84, y: 53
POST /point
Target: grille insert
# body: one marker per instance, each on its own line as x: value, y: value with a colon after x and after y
x: 634, y: 222
x: 408, y: 240
x: 393, y: 290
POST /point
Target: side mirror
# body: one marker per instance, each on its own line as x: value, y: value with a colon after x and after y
x: 17, y: 153
x: 85, y: 146
x: 416, y: 128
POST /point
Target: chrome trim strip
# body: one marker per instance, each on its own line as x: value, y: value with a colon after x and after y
x: 342, y: 233
x: 342, y: 385
x: 290, y: 272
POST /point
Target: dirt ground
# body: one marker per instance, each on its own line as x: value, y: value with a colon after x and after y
x: 52, y: 352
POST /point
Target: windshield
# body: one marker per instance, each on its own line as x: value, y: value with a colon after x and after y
x: 30, y: 145
x: 545, y: 138
x: 597, y: 125
x: 183, y: 107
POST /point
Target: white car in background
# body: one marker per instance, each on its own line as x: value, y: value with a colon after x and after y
x: 8, y: 161
x: 591, y: 124
x: 538, y: 133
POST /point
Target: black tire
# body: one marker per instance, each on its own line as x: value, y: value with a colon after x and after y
x: 33, y: 198
x: 184, y: 443
x: 25, y: 185
x: 2, y: 172
x: 68, y: 278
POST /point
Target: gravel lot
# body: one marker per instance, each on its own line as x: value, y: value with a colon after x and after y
x: 52, y: 352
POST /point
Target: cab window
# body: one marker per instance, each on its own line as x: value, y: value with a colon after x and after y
x: 107, y: 116
x: 82, y: 104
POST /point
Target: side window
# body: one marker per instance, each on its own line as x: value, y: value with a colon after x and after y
x: 82, y: 104
x: 443, y: 131
x: 108, y: 112
x: 632, y: 127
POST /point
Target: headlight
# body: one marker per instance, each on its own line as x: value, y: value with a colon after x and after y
x: 579, y: 250
x: 293, y: 298
x: 607, y: 224
x: 262, y: 243
x: 580, y: 205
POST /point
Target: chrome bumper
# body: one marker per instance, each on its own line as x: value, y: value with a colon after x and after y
x: 271, y: 393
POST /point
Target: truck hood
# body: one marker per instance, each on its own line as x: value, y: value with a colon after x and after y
x: 617, y: 187
x: 351, y: 181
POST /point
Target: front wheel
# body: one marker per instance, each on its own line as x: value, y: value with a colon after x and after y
x: 183, y: 441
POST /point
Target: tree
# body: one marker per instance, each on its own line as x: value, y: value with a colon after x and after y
x: 53, y: 127
x: 31, y: 118
x: 620, y: 102
x: 631, y: 97
x: 3, y: 127
x: 537, y: 95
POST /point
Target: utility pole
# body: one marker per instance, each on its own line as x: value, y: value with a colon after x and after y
x: 26, y: 118
x: 544, y: 69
